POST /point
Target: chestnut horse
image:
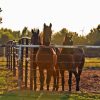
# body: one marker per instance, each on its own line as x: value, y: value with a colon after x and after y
x: 46, y: 58
x: 35, y: 40
x: 71, y: 59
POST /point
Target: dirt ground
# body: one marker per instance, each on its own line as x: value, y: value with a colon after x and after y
x: 90, y: 81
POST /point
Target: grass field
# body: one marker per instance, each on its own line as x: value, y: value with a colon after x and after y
x: 29, y: 95
x: 7, y: 84
x: 89, y: 62
x: 92, y: 62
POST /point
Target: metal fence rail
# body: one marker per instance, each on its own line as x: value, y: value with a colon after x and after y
x: 19, y: 55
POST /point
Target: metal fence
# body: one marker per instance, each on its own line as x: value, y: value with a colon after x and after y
x: 16, y: 57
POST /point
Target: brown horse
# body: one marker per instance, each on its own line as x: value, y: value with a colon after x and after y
x: 46, y: 58
x: 71, y: 59
x: 35, y: 40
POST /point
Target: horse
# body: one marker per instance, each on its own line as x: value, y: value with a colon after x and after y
x: 72, y: 60
x: 46, y: 58
x: 35, y: 40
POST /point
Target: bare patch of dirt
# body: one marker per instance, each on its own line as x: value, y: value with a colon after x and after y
x: 89, y: 82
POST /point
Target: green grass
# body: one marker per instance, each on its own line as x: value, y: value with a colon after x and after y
x: 30, y: 95
x: 92, y: 62
x: 89, y: 62
x: 6, y: 81
x: 3, y: 61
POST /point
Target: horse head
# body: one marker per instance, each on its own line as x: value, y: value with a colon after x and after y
x: 35, y: 39
x: 47, y: 32
x: 68, y: 40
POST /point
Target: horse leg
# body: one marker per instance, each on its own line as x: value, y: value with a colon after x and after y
x: 31, y: 71
x: 81, y: 65
x: 70, y: 80
x: 49, y: 72
x: 57, y: 79
x: 62, y: 76
x: 41, y: 79
x: 31, y: 78
x: 34, y: 71
x: 77, y: 80
x: 79, y: 72
x: 80, y: 68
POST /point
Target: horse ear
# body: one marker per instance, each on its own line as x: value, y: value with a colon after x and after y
x: 44, y: 24
x: 38, y: 31
x: 32, y: 30
x: 50, y: 25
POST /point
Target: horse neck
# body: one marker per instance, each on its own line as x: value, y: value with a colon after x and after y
x: 79, y: 51
x: 45, y: 43
x: 33, y: 42
x: 67, y: 50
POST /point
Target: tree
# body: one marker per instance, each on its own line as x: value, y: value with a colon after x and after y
x: 94, y: 36
x: 0, y: 17
x: 4, y: 39
x: 58, y: 37
x: 16, y: 34
x: 24, y: 31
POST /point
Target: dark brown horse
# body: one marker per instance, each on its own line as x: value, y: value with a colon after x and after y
x: 46, y: 58
x: 35, y: 40
x: 71, y: 59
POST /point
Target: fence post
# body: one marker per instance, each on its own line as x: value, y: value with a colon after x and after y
x: 7, y: 64
x: 19, y: 67
x: 21, y: 41
x: 14, y: 59
x: 11, y: 55
x: 26, y: 63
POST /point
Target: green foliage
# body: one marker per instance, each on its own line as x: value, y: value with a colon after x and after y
x: 7, y: 81
x: 94, y: 36
x: 8, y: 34
x: 24, y: 32
x: 58, y: 37
x: 0, y: 17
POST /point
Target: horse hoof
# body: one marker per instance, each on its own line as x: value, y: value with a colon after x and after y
x: 41, y: 88
x: 77, y: 89
x: 62, y: 89
x: 53, y: 89
x: 69, y: 90
x: 56, y: 88
x: 35, y: 88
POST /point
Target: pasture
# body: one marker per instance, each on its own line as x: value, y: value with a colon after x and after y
x: 90, y: 86
x: 30, y: 95
x: 92, y: 62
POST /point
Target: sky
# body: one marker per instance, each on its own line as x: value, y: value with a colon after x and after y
x: 75, y: 15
